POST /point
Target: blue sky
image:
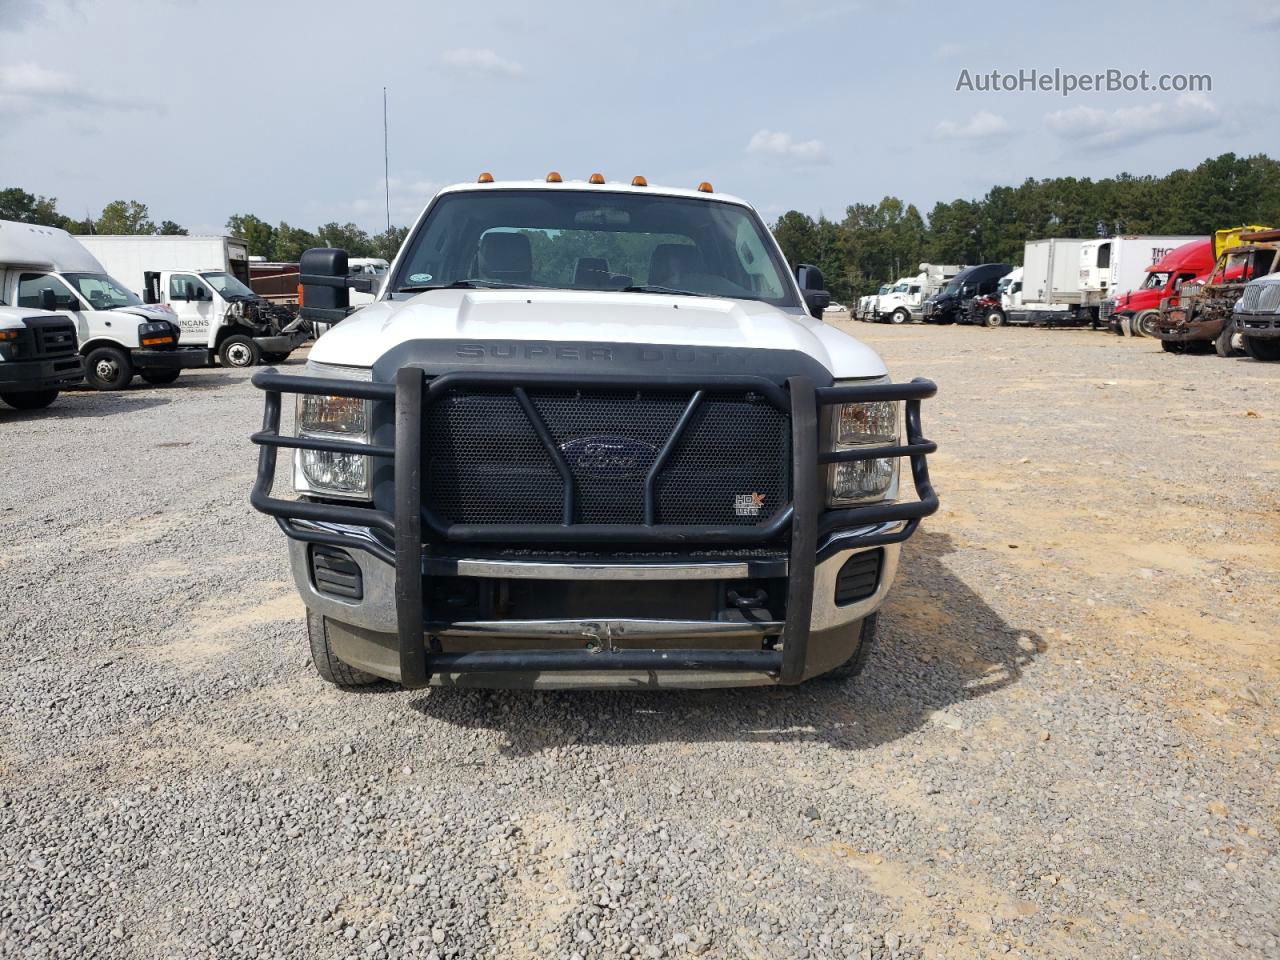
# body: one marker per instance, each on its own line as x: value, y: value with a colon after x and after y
x: 206, y: 109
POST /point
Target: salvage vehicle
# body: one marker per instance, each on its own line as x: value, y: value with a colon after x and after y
x: 205, y: 281
x: 46, y: 269
x: 1256, y: 318
x: 868, y: 305
x: 38, y: 357
x: 1199, y: 317
x: 1134, y: 312
x: 952, y: 303
x: 590, y: 434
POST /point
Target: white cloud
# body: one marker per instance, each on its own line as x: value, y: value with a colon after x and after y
x: 981, y: 126
x: 776, y: 144
x: 481, y: 61
x: 26, y: 87
x: 1093, y: 127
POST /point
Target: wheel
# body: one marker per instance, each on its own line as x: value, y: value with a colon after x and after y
x: 853, y: 666
x: 1260, y: 348
x: 30, y: 399
x: 274, y: 357
x: 994, y: 318
x: 901, y: 315
x: 108, y: 368
x: 1173, y: 346
x: 1224, y: 343
x: 1143, y: 325
x: 239, y: 351
x: 326, y: 661
x: 159, y: 377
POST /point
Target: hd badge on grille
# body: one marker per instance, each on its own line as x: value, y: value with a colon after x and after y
x: 748, y: 504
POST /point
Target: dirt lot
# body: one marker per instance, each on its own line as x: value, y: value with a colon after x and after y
x: 1065, y: 744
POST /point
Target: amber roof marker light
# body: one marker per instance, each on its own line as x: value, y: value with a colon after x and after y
x: 705, y: 187
x: 596, y: 178
x: 553, y: 177
x: 485, y: 178
x: 639, y: 182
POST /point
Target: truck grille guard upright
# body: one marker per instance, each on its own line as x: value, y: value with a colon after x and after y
x: 803, y: 518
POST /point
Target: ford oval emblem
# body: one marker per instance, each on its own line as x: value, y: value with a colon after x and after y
x: 608, y: 456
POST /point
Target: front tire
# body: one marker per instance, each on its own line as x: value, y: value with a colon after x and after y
x: 159, y: 378
x: 30, y: 399
x: 239, y: 351
x: 326, y: 662
x: 855, y: 664
x: 994, y: 318
x: 1143, y: 325
x: 108, y: 368
x: 900, y: 316
x: 1223, y: 345
x: 1263, y: 349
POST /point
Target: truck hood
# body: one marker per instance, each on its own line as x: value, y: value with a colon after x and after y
x: 11, y: 317
x: 591, y: 316
x: 150, y: 311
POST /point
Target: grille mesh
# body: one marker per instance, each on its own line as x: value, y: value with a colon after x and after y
x: 486, y: 465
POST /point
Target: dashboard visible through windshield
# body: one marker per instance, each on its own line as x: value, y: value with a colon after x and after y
x: 594, y: 240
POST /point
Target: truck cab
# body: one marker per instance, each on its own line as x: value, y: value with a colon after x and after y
x: 38, y: 357
x: 951, y: 304
x: 1132, y: 312
x: 46, y: 269
x: 902, y: 302
x: 218, y: 312
x: 590, y: 434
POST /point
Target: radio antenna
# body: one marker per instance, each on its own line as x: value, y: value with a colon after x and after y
x: 386, y: 166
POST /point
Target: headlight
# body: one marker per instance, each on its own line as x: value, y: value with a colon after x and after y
x: 859, y: 426
x: 342, y: 475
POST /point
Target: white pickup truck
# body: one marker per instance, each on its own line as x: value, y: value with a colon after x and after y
x: 590, y: 434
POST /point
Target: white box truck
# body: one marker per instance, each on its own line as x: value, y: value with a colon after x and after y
x: 1045, y: 290
x: 47, y: 269
x: 1116, y: 265
x: 205, y: 281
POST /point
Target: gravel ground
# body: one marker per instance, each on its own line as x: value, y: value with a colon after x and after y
x: 1064, y: 746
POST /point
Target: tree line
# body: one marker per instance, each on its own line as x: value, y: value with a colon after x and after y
x: 877, y: 243
x: 282, y: 243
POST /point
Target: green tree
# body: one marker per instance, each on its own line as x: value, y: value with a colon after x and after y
x: 170, y: 229
x: 290, y: 242
x: 345, y: 236
x: 17, y: 204
x: 387, y: 243
x: 125, y: 217
x: 258, y: 234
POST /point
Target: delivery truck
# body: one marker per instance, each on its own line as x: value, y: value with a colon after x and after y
x: 205, y: 281
x: 905, y: 299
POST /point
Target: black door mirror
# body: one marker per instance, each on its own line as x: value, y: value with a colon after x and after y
x: 48, y: 299
x: 190, y: 290
x: 322, y: 273
x: 814, y: 289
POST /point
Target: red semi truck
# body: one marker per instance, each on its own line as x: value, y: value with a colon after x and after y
x: 1127, y: 313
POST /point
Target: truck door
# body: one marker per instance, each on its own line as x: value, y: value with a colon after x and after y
x: 192, y: 301
x: 67, y: 303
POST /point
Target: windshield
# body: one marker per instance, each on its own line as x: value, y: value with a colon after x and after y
x: 884, y: 289
x: 1004, y: 285
x: 900, y: 288
x: 953, y: 288
x: 227, y: 285
x: 1156, y: 280
x: 102, y: 292
x: 594, y: 240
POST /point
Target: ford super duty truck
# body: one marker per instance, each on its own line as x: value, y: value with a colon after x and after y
x: 590, y: 434
x: 38, y: 357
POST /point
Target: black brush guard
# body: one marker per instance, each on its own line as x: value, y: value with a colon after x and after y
x: 803, y: 518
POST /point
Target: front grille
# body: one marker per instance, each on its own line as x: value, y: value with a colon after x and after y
x: 1188, y: 290
x: 485, y: 463
x: 1106, y: 309
x: 51, y: 337
x: 1260, y: 298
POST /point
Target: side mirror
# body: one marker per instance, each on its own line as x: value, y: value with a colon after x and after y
x: 364, y: 284
x: 48, y: 299
x: 814, y: 289
x: 190, y: 291
x: 322, y: 275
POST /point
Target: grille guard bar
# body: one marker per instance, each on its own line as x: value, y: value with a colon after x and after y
x: 803, y: 518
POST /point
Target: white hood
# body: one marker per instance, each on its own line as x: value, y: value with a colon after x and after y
x: 591, y: 316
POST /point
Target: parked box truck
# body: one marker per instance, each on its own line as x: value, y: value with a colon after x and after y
x: 205, y: 280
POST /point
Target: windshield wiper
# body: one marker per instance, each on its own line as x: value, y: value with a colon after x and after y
x: 471, y: 284
x: 656, y: 288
